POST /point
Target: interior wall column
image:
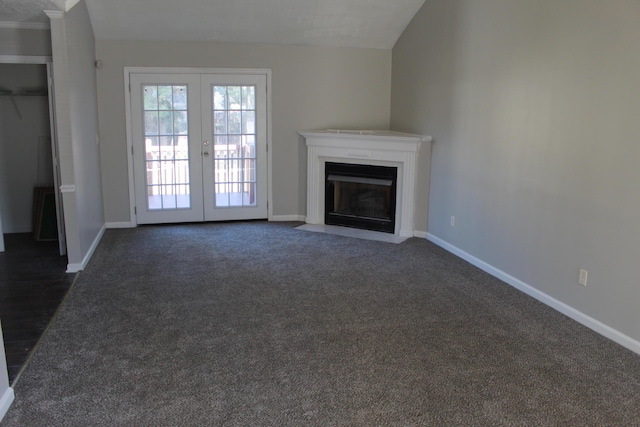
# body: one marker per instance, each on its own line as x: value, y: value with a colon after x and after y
x: 62, y: 107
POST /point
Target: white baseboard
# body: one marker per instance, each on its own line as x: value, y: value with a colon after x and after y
x: 5, y: 401
x: 122, y: 224
x: 287, y: 218
x: 74, y: 268
x: 563, y: 308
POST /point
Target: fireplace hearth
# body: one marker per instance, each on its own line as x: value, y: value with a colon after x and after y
x: 360, y: 196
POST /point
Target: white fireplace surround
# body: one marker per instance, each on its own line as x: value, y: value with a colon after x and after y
x: 366, y: 147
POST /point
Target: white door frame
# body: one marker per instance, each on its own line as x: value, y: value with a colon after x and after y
x: 1, y: 236
x: 62, y: 237
x: 180, y: 70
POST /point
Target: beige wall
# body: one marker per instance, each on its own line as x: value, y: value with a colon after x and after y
x: 26, y: 42
x: 25, y: 144
x: 534, y: 109
x: 312, y: 88
x: 84, y: 125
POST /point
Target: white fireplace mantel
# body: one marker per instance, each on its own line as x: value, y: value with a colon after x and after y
x: 384, y: 148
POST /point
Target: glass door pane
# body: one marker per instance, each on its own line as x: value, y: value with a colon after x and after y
x: 166, y: 133
x: 234, y: 108
x: 234, y: 135
x: 166, y: 129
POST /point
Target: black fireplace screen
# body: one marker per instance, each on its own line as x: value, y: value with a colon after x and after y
x: 360, y: 196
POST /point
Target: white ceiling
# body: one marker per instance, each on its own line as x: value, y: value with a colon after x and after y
x: 345, y: 23
x: 26, y: 11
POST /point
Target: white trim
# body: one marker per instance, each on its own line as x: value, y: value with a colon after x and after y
x: 25, y: 25
x: 74, y: 268
x: 54, y: 14
x: 24, y: 59
x: 121, y: 224
x: 6, y: 401
x: 1, y: 236
x: 269, y: 150
x: 129, y: 133
x: 187, y: 70
x: 194, y: 70
x: 55, y: 150
x: 563, y: 308
x: 68, y: 188
x: 287, y: 218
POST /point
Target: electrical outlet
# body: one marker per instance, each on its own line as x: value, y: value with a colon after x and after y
x: 582, y: 280
x: 452, y: 221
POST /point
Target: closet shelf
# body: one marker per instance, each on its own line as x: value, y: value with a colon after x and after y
x: 23, y: 91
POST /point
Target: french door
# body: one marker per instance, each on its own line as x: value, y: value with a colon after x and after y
x: 200, y: 146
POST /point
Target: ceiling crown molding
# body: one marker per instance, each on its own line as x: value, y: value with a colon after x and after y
x: 54, y: 14
x: 65, y: 5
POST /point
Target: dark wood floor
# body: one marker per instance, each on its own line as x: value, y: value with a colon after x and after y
x: 33, y: 283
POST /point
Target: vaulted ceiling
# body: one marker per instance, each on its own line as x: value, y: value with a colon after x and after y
x: 26, y: 11
x: 346, y: 23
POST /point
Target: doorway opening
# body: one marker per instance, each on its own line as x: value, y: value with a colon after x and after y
x: 33, y: 278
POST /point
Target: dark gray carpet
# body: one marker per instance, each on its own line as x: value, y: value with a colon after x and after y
x: 259, y: 324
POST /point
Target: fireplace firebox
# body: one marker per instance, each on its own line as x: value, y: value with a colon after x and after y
x: 361, y: 196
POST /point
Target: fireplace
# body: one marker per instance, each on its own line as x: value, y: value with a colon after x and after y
x: 394, y: 150
x: 360, y: 196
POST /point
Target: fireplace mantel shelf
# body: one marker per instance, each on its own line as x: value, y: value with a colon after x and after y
x: 386, y: 148
x: 365, y: 139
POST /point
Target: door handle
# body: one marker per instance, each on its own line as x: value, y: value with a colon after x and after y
x: 205, y: 142
x: 206, y: 154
